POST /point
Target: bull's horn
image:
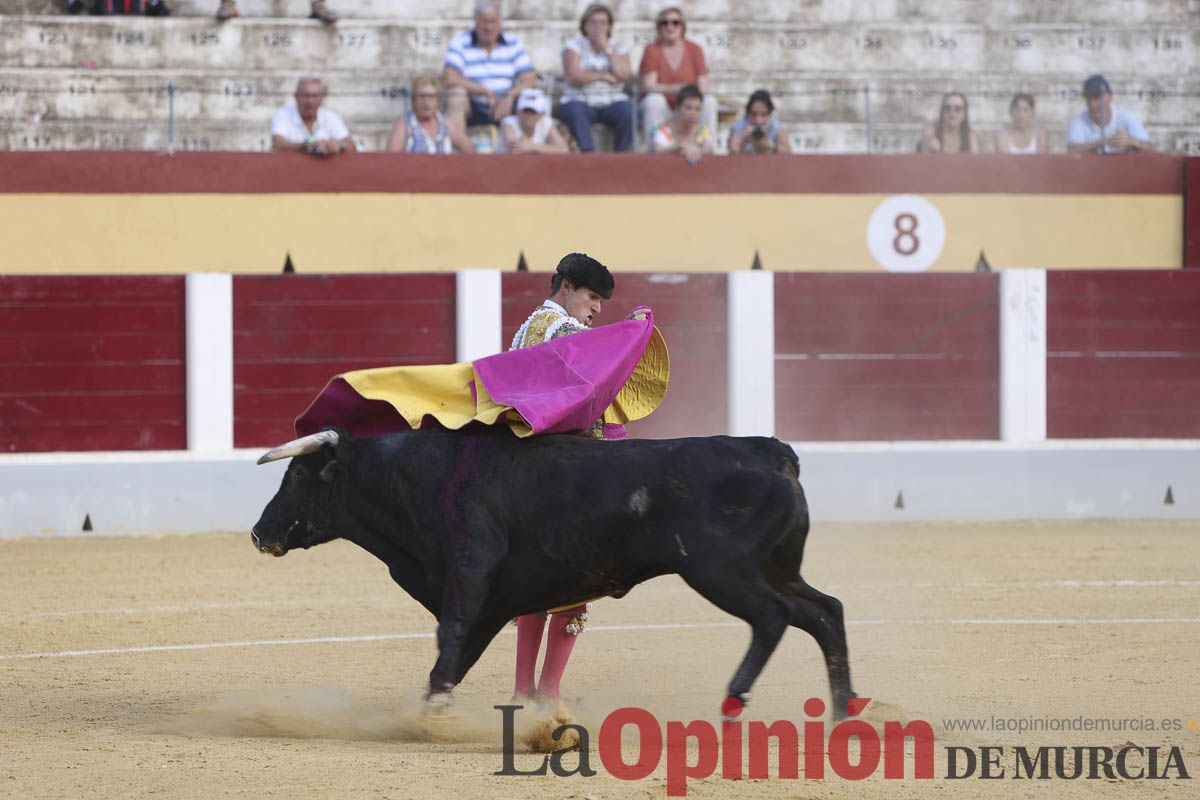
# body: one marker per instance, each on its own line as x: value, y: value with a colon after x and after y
x: 298, y: 447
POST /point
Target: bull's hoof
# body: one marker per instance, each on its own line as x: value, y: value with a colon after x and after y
x: 842, y: 706
x: 733, y: 706
x: 440, y: 720
x: 437, y: 704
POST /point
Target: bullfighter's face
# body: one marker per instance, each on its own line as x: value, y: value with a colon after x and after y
x: 302, y: 512
x: 582, y: 303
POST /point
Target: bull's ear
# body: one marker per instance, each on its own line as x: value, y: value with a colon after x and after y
x: 331, y: 471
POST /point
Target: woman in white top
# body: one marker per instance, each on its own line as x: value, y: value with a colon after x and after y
x: 531, y: 129
x: 1025, y: 136
x: 596, y: 69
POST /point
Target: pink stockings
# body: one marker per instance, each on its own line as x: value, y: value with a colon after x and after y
x: 559, y: 645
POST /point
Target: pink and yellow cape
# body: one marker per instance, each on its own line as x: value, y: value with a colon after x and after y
x: 617, y: 373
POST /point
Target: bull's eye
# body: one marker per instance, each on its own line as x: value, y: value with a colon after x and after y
x: 300, y: 473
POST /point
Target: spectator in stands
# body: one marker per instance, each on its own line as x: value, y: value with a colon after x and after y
x: 149, y: 8
x: 532, y: 129
x: 685, y: 133
x: 423, y: 129
x: 1103, y: 127
x: 759, y: 132
x: 484, y: 72
x: 320, y: 10
x: 596, y: 68
x: 309, y: 128
x: 1025, y: 136
x: 668, y: 64
x: 952, y: 133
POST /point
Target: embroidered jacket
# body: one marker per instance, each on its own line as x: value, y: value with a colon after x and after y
x: 550, y: 321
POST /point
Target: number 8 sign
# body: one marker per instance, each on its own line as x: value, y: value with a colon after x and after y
x: 906, y: 233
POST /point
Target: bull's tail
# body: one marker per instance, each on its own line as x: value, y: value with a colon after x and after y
x: 788, y: 551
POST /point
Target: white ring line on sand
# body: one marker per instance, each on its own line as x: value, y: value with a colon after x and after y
x: 387, y: 637
x: 165, y: 648
x: 185, y: 608
x: 1047, y: 584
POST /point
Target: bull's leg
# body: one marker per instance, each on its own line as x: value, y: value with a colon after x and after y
x: 473, y: 644
x: 480, y: 636
x: 820, y: 615
x: 463, y: 607
x: 747, y: 597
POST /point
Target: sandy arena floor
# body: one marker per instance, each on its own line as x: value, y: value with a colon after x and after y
x: 194, y: 696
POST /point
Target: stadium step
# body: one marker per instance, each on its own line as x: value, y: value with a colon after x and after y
x: 993, y: 12
x: 806, y: 136
x: 108, y: 74
x: 107, y: 134
x: 381, y: 95
x: 302, y: 45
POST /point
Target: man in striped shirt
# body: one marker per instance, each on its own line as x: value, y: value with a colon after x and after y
x: 485, y: 70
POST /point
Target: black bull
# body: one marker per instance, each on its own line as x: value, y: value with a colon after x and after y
x: 482, y: 527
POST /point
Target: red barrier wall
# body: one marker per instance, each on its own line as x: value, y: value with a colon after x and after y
x: 86, y: 172
x: 1123, y: 354
x: 92, y: 363
x: 97, y: 363
x: 690, y: 310
x: 292, y: 333
x: 1191, y: 213
x: 886, y: 357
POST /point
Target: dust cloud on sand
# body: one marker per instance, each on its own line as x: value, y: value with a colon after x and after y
x: 334, y: 712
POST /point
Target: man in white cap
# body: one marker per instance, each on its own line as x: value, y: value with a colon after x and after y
x: 531, y: 129
x: 1103, y: 127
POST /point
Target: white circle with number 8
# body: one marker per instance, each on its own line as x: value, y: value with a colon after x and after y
x: 906, y: 233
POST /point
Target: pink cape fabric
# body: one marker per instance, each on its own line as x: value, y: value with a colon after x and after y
x: 560, y: 386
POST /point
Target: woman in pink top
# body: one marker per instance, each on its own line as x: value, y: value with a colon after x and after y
x: 669, y: 63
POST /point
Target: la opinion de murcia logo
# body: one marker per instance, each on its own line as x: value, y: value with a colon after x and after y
x: 696, y: 750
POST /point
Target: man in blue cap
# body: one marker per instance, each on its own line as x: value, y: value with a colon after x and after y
x: 1103, y: 127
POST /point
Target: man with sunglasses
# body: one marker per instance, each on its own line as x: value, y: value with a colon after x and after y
x: 669, y: 63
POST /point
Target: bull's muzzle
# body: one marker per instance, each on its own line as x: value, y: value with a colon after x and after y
x: 276, y: 549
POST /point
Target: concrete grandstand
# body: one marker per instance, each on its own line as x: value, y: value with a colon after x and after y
x: 850, y: 77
